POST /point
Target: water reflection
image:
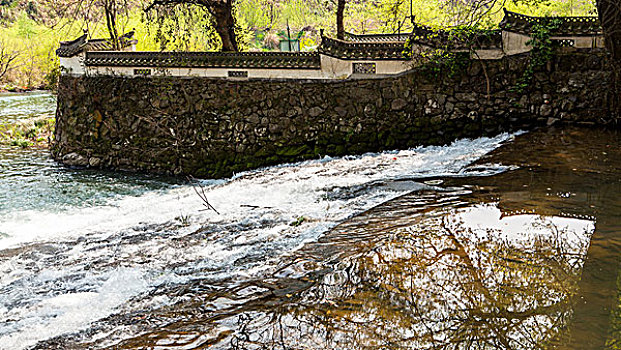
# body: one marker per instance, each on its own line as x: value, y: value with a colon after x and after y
x: 442, y: 281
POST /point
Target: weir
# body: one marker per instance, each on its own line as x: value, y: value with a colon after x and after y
x: 214, y: 114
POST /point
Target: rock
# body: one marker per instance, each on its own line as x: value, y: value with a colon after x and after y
x: 341, y: 111
x: 450, y: 107
x: 575, y: 84
x: 254, y: 119
x: 552, y: 121
x: 74, y: 159
x: 369, y: 110
x: 94, y: 162
x: 441, y: 100
x: 398, y: 104
x: 466, y: 97
x: 275, y: 128
x: 315, y: 111
x: 545, y: 110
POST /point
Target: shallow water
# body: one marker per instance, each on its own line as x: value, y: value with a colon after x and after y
x: 16, y: 107
x: 408, y: 249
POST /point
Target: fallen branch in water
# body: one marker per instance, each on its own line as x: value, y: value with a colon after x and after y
x: 200, y: 192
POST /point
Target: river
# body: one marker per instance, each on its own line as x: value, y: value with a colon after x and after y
x: 505, y: 242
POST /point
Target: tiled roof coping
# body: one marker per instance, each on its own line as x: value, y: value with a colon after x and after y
x: 272, y: 60
x: 569, y: 26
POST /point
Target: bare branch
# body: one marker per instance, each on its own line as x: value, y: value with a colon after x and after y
x: 7, y: 58
x: 200, y: 192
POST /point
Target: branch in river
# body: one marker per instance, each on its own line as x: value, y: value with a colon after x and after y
x: 200, y: 192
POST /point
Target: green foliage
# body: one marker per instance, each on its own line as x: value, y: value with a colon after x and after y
x: 35, y: 45
x: 26, y: 27
x: 182, y: 28
x: 440, y: 62
x: 258, y: 14
x: 23, y: 143
x: 445, y: 59
x: 242, y: 31
x: 52, y: 77
x: 542, y: 52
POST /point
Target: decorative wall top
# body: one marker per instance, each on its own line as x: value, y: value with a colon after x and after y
x: 72, y: 48
x: 443, y: 39
x: 569, y: 26
x: 387, y: 50
x: 391, y: 46
x: 274, y: 60
x: 82, y: 44
x: 376, y: 38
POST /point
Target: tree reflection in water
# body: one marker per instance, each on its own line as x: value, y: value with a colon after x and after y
x: 464, y: 279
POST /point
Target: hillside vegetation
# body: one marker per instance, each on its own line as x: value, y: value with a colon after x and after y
x: 30, y: 30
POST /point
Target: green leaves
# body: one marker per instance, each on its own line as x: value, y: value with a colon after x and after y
x: 542, y: 52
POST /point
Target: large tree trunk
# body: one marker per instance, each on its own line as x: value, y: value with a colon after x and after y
x: 610, y: 17
x: 225, y: 24
x: 340, y: 26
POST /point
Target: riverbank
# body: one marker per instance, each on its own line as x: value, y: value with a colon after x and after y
x: 27, y: 119
x: 11, y: 88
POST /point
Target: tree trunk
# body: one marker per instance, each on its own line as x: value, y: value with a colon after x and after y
x: 340, y: 26
x: 225, y: 24
x: 610, y: 18
x: 110, y: 13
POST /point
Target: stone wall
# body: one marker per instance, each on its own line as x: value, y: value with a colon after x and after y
x: 215, y: 127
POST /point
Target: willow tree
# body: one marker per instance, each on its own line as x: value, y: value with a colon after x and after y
x: 221, y: 12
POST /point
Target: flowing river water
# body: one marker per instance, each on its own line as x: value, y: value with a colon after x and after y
x: 509, y: 242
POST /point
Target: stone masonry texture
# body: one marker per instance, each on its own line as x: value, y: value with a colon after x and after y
x: 213, y: 128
